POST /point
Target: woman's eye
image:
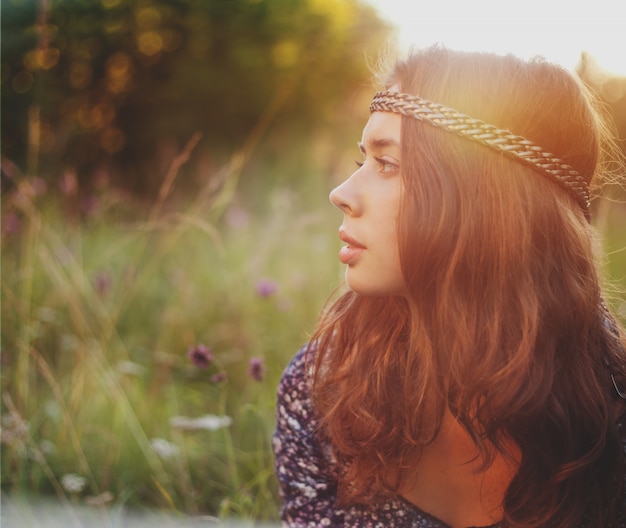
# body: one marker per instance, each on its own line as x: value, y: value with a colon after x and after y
x: 386, y: 166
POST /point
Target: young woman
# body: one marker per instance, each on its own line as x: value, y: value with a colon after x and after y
x: 471, y: 375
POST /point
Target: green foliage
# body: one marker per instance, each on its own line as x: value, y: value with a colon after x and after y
x: 120, y: 84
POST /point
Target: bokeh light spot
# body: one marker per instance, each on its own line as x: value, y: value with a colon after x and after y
x: 337, y: 12
x: 114, y: 26
x: 80, y: 75
x: 148, y: 17
x: 41, y: 59
x: 48, y: 58
x: 285, y: 53
x: 92, y: 117
x: 22, y: 82
x: 118, y: 72
x: 112, y: 140
x: 150, y: 43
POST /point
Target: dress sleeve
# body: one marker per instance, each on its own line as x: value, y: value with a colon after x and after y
x: 304, y: 467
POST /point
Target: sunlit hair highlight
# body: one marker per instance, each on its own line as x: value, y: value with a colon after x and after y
x: 501, y: 322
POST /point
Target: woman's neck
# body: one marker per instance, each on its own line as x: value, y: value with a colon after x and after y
x: 448, y: 481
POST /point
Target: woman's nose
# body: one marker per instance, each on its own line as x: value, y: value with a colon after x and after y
x: 343, y: 197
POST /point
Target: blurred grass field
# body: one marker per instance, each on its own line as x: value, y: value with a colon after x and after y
x: 102, y: 404
x: 98, y: 318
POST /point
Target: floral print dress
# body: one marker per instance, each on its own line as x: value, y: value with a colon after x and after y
x: 304, y: 468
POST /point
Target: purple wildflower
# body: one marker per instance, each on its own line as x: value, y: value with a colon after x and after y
x: 102, y: 283
x: 90, y: 205
x: 266, y: 288
x: 256, y: 368
x: 39, y: 186
x: 237, y: 217
x: 11, y: 223
x: 69, y: 183
x: 200, y: 355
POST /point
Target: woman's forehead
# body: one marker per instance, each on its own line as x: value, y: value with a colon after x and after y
x: 382, y: 129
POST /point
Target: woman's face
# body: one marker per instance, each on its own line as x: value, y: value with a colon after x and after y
x: 370, y: 200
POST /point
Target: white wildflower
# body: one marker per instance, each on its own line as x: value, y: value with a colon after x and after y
x: 181, y: 422
x: 100, y: 500
x: 46, y: 315
x: 210, y: 422
x: 73, y: 483
x: 68, y: 342
x: 164, y: 449
x: 47, y: 447
x: 31, y: 331
x: 52, y: 410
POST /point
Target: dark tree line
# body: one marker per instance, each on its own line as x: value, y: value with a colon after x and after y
x: 120, y: 83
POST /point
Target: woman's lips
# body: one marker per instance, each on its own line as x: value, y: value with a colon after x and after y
x: 348, y: 254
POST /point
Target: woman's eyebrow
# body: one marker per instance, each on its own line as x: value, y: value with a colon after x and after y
x: 378, y: 143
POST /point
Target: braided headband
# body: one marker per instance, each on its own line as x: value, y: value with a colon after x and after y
x: 498, y: 139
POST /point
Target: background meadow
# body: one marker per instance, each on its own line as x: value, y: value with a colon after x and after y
x: 167, y: 241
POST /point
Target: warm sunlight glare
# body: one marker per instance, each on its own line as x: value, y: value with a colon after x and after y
x: 556, y: 29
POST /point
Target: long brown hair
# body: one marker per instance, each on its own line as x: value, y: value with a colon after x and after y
x: 501, y: 323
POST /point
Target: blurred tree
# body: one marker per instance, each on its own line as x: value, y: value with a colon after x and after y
x: 119, y: 83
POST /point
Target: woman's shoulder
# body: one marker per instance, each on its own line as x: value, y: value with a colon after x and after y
x: 296, y: 365
x: 294, y: 389
x: 295, y: 377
